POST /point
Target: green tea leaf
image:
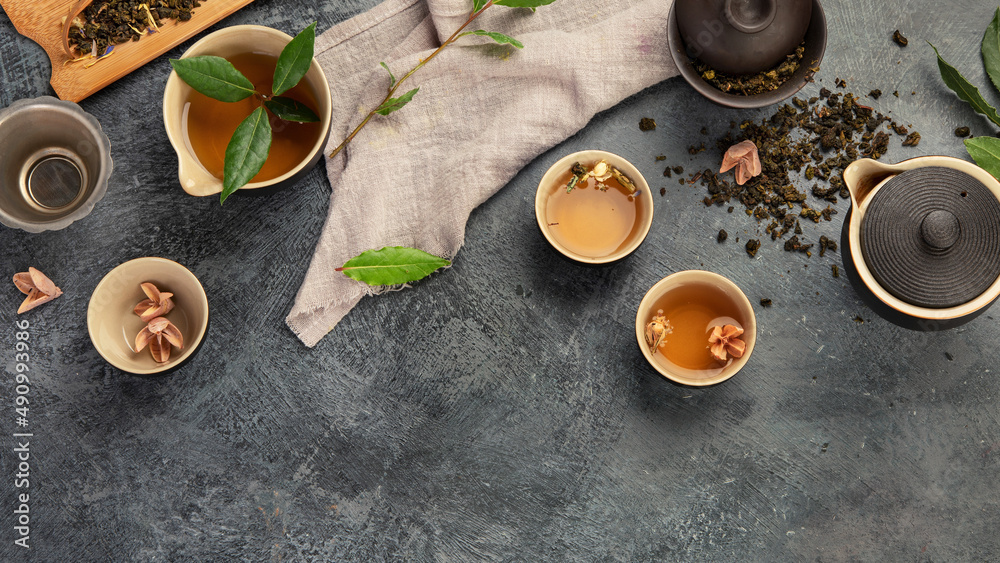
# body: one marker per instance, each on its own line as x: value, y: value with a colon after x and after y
x: 246, y: 152
x: 478, y: 5
x: 498, y: 37
x: 392, y: 265
x: 215, y: 77
x: 523, y: 3
x: 965, y: 90
x: 394, y: 104
x: 291, y: 110
x: 986, y: 152
x: 392, y: 79
x: 991, y: 50
x: 294, y: 60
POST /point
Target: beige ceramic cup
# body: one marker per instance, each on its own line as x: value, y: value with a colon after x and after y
x: 237, y: 39
x: 113, y: 325
x: 557, y: 170
x: 672, y: 282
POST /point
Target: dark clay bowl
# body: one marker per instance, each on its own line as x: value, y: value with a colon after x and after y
x: 815, y: 46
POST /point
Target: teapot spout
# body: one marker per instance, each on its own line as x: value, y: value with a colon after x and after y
x: 862, y: 175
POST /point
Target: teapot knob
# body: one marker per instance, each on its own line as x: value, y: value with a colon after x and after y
x: 750, y: 16
x: 940, y: 229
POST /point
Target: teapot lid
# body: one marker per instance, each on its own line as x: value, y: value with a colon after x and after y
x: 931, y: 237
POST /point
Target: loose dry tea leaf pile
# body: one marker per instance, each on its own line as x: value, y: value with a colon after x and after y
x: 753, y: 84
x: 815, y: 138
x: 111, y: 22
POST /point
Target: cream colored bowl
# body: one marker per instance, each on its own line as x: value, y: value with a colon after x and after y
x: 113, y: 325
x: 554, y: 174
x: 698, y: 277
x: 226, y: 42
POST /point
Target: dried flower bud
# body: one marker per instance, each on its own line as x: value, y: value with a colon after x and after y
x: 744, y: 157
x: 724, y: 342
x: 160, y: 334
x: 657, y: 331
x: 158, y: 304
x: 38, y: 288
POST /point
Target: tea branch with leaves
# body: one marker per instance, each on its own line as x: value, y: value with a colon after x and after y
x: 396, y: 265
x: 984, y: 150
x: 250, y: 144
x: 390, y: 104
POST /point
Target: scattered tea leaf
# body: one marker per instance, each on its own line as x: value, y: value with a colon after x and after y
x: 392, y: 265
x: 899, y: 39
x: 498, y: 37
x: 246, y: 152
x: 991, y: 50
x: 291, y: 110
x: 986, y: 152
x: 294, y: 60
x: 215, y: 77
x: 965, y: 89
x: 394, y: 104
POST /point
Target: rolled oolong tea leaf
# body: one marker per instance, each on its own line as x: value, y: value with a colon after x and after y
x: 965, y: 89
x: 991, y: 50
x: 392, y: 265
x: 214, y: 77
x: 986, y: 152
x: 291, y: 110
x: 395, y: 104
x: 294, y: 60
x: 246, y: 152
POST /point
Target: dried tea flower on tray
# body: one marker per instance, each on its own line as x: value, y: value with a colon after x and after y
x: 743, y: 156
x: 160, y: 334
x: 38, y: 288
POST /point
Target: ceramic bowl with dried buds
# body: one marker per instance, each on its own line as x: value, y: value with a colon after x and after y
x: 148, y: 316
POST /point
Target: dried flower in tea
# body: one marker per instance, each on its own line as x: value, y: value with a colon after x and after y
x: 111, y: 22
x: 743, y: 156
x: 725, y: 342
x: 160, y: 334
x: 656, y: 331
x: 38, y: 288
x: 157, y: 303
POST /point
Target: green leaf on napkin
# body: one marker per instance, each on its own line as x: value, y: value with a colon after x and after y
x: 392, y: 79
x: 246, y: 152
x: 394, y: 104
x: 291, y: 110
x: 392, y: 265
x: 498, y: 37
x: 986, y: 152
x: 215, y: 77
x: 965, y: 90
x: 294, y: 61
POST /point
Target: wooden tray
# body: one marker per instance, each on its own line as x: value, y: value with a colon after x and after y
x: 42, y: 21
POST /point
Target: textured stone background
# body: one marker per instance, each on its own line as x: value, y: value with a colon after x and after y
x: 501, y: 410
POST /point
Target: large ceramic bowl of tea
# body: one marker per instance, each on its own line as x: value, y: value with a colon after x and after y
x: 199, y: 128
x: 696, y: 328
x: 740, y: 37
x: 594, y: 207
x: 113, y: 323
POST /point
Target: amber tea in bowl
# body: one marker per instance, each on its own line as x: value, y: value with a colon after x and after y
x: 594, y: 207
x: 688, y: 319
x: 199, y: 128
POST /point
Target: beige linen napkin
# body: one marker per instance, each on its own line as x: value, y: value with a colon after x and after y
x: 483, y: 112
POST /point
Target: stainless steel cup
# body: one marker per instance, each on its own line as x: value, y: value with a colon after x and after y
x: 55, y: 162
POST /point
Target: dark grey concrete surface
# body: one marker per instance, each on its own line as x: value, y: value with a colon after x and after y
x: 501, y: 410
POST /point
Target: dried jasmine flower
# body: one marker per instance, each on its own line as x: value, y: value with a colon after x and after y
x: 725, y: 342
x: 160, y: 334
x: 657, y: 331
x: 38, y: 288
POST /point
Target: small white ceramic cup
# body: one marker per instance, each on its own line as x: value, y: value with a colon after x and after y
x: 226, y: 42
x: 558, y: 170
x: 672, y: 282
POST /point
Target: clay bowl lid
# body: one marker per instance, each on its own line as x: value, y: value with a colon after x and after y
x: 815, y: 47
x: 931, y: 237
